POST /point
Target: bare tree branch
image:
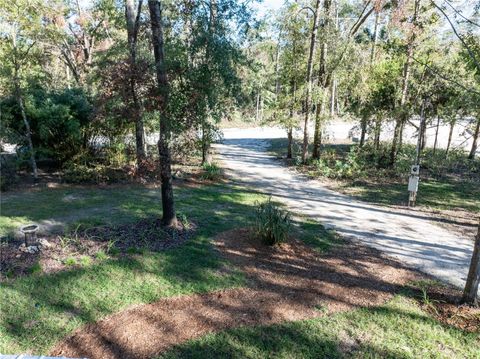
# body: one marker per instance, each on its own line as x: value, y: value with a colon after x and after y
x: 461, y: 15
x: 470, y: 52
x: 443, y: 77
x: 361, y: 19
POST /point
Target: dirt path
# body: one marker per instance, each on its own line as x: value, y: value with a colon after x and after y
x: 407, y: 236
x: 291, y: 282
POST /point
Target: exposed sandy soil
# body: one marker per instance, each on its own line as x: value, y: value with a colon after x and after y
x: 290, y: 282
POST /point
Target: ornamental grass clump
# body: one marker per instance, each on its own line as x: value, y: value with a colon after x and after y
x: 272, y: 224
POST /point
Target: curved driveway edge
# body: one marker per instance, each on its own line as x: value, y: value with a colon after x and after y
x: 409, y: 237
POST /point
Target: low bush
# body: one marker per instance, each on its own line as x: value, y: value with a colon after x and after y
x: 332, y: 165
x: 8, y: 171
x: 372, y: 162
x: 211, y: 171
x: 272, y: 224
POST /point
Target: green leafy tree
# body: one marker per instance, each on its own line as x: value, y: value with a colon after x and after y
x: 21, y: 28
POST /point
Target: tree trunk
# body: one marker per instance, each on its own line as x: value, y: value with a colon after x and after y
x: 132, y: 31
x: 322, y: 81
x: 257, y: 112
x: 277, y: 79
x: 400, y: 136
x: 471, y: 156
x: 405, y: 81
x: 308, y: 93
x: 261, y: 108
x: 365, y: 118
x: 206, y: 129
x: 290, y: 142
x: 28, y: 131
x: 420, y: 138
x: 333, y: 89
x: 363, y: 133
x: 436, y: 135
x: 424, y: 133
x: 473, y: 278
x: 378, y: 128
x: 292, y: 119
x: 450, y: 134
x: 375, y: 37
x: 168, y: 205
x: 205, y: 146
x: 317, y: 135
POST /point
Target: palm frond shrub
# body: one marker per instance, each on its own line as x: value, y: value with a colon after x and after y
x: 272, y: 223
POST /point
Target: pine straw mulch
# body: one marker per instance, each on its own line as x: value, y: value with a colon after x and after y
x: 289, y: 282
x: 441, y: 302
x: 83, y: 246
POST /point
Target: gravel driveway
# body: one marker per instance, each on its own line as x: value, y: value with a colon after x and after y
x: 408, y: 237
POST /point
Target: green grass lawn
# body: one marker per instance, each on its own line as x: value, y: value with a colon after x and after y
x: 448, y: 193
x: 439, y: 195
x: 398, y: 329
x: 40, y: 309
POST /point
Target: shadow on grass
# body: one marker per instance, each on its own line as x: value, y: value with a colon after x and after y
x: 396, y: 330
x: 39, y: 309
x: 293, y: 283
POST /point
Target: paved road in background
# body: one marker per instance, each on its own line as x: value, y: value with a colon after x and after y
x: 410, y: 237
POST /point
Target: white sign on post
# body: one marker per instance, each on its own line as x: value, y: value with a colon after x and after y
x: 413, y: 184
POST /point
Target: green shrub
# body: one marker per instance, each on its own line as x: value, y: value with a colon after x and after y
x: 70, y: 261
x: 8, y: 171
x: 117, y: 154
x: 211, y: 171
x: 85, y: 261
x: 101, y: 255
x: 58, y: 119
x: 331, y: 166
x: 272, y: 224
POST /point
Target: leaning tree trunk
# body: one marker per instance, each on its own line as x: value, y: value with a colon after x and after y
x: 168, y: 205
x: 471, y: 156
x: 28, y: 130
x: 424, y: 133
x: 28, y: 133
x: 473, y: 278
x: 308, y: 94
x: 133, y: 23
x: 450, y: 135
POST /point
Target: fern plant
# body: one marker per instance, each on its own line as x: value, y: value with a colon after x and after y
x: 272, y: 224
